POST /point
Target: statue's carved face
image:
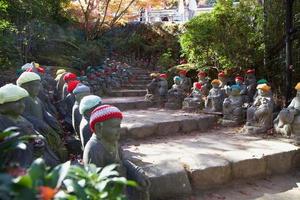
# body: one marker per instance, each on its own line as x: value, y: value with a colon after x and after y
x: 109, y: 130
x: 15, y: 108
x: 33, y: 87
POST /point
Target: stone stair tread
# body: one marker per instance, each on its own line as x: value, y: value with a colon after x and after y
x: 277, y: 187
x: 128, y: 103
x: 153, y: 121
x: 110, y: 100
x: 128, y: 90
x: 215, y: 157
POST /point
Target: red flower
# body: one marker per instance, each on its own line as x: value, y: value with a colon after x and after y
x: 47, y: 193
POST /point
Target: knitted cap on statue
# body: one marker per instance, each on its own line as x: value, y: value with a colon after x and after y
x: 104, y: 113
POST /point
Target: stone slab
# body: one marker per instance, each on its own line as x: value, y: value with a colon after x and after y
x: 167, y: 179
x: 154, y: 122
x: 127, y: 93
x: 128, y: 103
x: 134, y: 87
x: 216, y: 157
x: 278, y: 187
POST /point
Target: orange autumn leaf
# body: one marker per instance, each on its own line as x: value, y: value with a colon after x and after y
x: 47, y: 193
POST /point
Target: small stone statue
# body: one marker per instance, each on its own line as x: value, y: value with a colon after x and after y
x: 175, y: 95
x: 251, y: 84
x: 11, y: 108
x: 103, y: 147
x: 59, y: 84
x: 223, y: 79
x: 287, y: 122
x: 262, y: 81
x: 79, y: 92
x: 86, y: 106
x: 186, y: 82
x: 163, y: 89
x: 194, y: 101
x: 203, y: 80
x: 153, y: 88
x: 66, y: 105
x: 260, y: 114
x: 233, y: 113
x: 214, y: 101
x: 68, y: 77
x: 35, y: 112
x: 240, y: 82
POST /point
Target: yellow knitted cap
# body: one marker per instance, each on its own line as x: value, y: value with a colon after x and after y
x: 216, y: 81
x: 12, y: 93
x: 297, y: 87
x: 60, y: 71
x: 154, y: 74
x: 264, y: 87
x: 27, y: 77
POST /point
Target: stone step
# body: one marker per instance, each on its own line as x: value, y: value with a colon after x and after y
x: 140, y: 82
x: 138, y: 124
x: 185, y: 164
x: 277, y: 187
x: 127, y: 93
x: 134, y: 87
x: 128, y: 103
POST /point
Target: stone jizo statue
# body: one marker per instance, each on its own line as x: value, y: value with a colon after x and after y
x: 287, y: 122
x: 103, y: 147
x: 194, y: 102
x: 79, y: 92
x: 233, y: 112
x: 153, y: 88
x: 260, y: 114
x: 186, y: 82
x: 11, y: 108
x: 35, y: 112
x: 251, y: 84
x: 214, y: 101
x: 204, y: 81
x: 175, y: 95
x: 86, y: 106
x: 163, y: 88
x: 68, y: 77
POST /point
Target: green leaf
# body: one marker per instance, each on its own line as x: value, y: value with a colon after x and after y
x: 108, y: 171
x: 24, y: 181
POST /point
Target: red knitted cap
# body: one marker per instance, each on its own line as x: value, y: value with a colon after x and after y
x: 183, y: 72
x: 163, y: 76
x: 104, y: 113
x: 38, y: 69
x: 72, y: 85
x: 250, y: 71
x: 198, y: 85
x: 239, y: 78
x: 69, y: 76
x: 202, y: 73
x: 221, y: 74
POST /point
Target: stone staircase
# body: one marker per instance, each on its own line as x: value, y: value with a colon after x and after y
x: 185, y: 153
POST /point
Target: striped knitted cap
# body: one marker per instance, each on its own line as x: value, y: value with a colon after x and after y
x: 104, y: 113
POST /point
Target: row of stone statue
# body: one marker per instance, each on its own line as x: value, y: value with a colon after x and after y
x: 96, y: 125
x: 245, y: 100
